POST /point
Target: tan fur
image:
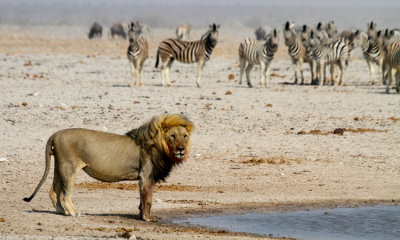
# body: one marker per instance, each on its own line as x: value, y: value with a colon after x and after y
x: 147, y: 154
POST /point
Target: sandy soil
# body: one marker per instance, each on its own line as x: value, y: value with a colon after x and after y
x: 253, y: 149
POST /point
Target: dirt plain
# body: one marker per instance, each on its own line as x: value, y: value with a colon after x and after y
x: 258, y: 149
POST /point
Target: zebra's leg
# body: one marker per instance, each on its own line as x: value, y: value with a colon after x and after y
x: 332, y: 80
x: 398, y: 82
x: 141, y: 73
x: 380, y: 69
x: 392, y: 73
x: 163, y: 69
x: 342, y: 67
x: 322, y: 73
x: 295, y: 71
x: 132, y: 73
x: 248, y: 70
x: 263, y: 70
x: 169, y: 64
x: 267, y: 75
x: 371, y: 72
x: 200, y: 66
x: 137, y: 66
x: 312, y: 72
x: 301, y: 70
x: 242, y: 67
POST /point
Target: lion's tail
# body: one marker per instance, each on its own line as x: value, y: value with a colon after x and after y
x: 48, y: 154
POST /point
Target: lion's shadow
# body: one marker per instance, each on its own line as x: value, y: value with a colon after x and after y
x: 120, y: 215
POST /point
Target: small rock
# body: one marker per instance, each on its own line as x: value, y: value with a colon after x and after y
x: 231, y: 77
x: 3, y: 160
x: 338, y: 131
x: 228, y: 93
x: 197, y: 155
x: 157, y: 200
x: 105, y: 128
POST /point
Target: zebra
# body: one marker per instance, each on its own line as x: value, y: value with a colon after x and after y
x: 137, y: 53
x: 183, y: 32
x: 296, y: 49
x: 392, y: 60
x: 392, y: 63
x: 372, y: 53
x: 187, y: 52
x: 304, y: 34
x: 329, y: 54
x: 261, y: 53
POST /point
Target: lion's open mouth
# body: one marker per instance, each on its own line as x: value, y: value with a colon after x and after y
x: 179, y: 155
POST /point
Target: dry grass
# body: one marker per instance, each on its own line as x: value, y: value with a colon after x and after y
x: 270, y: 160
x: 357, y: 130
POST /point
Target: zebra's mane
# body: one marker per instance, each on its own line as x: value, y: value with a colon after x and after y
x: 205, y: 35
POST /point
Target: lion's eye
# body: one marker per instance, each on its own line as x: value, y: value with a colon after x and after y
x: 173, y: 137
x: 185, y: 136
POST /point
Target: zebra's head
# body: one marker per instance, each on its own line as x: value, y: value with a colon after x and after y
x: 289, y: 33
x: 304, y: 35
x: 133, y: 31
x: 211, y: 35
x: 360, y: 39
x: 274, y: 39
x: 371, y: 30
x: 313, y: 40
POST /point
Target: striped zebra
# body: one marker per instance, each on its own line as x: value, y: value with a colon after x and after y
x: 261, y: 53
x: 336, y: 53
x: 372, y: 53
x: 296, y: 49
x: 183, y: 32
x: 392, y: 62
x: 304, y: 35
x: 137, y: 53
x: 187, y: 52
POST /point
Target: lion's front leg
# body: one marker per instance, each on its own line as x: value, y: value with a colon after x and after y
x: 146, y: 199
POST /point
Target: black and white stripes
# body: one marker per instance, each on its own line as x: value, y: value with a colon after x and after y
x: 187, y: 52
x: 137, y: 54
x: 392, y: 61
x: 296, y: 50
x: 335, y: 53
x: 372, y: 53
x: 261, y: 53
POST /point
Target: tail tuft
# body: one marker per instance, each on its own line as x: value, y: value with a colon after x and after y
x: 27, y: 199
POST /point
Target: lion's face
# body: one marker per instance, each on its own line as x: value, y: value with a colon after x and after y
x: 178, y: 143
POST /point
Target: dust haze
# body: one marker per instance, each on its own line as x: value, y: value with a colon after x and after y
x: 230, y: 14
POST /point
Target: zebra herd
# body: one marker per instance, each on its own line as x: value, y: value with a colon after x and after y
x: 320, y: 47
x: 323, y: 46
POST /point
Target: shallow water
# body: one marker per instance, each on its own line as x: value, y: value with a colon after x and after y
x: 376, y: 222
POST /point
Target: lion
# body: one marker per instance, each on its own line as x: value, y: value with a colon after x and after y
x: 147, y: 154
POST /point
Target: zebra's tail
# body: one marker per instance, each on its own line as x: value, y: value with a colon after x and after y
x: 158, y: 55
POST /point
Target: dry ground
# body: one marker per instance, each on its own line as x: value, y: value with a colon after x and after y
x: 252, y: 149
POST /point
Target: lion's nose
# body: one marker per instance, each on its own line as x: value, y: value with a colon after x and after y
x: 180, y: 149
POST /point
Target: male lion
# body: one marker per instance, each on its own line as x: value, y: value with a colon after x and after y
x: 147, y: 154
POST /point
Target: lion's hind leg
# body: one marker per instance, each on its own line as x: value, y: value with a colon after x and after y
x: 60, y: 193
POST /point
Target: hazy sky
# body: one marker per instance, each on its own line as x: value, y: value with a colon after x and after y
x: 169, y: 13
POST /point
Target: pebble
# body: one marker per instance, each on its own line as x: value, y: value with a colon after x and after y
x: 3, y: 160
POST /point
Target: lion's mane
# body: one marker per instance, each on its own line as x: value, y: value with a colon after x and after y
x: 151, y: 137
